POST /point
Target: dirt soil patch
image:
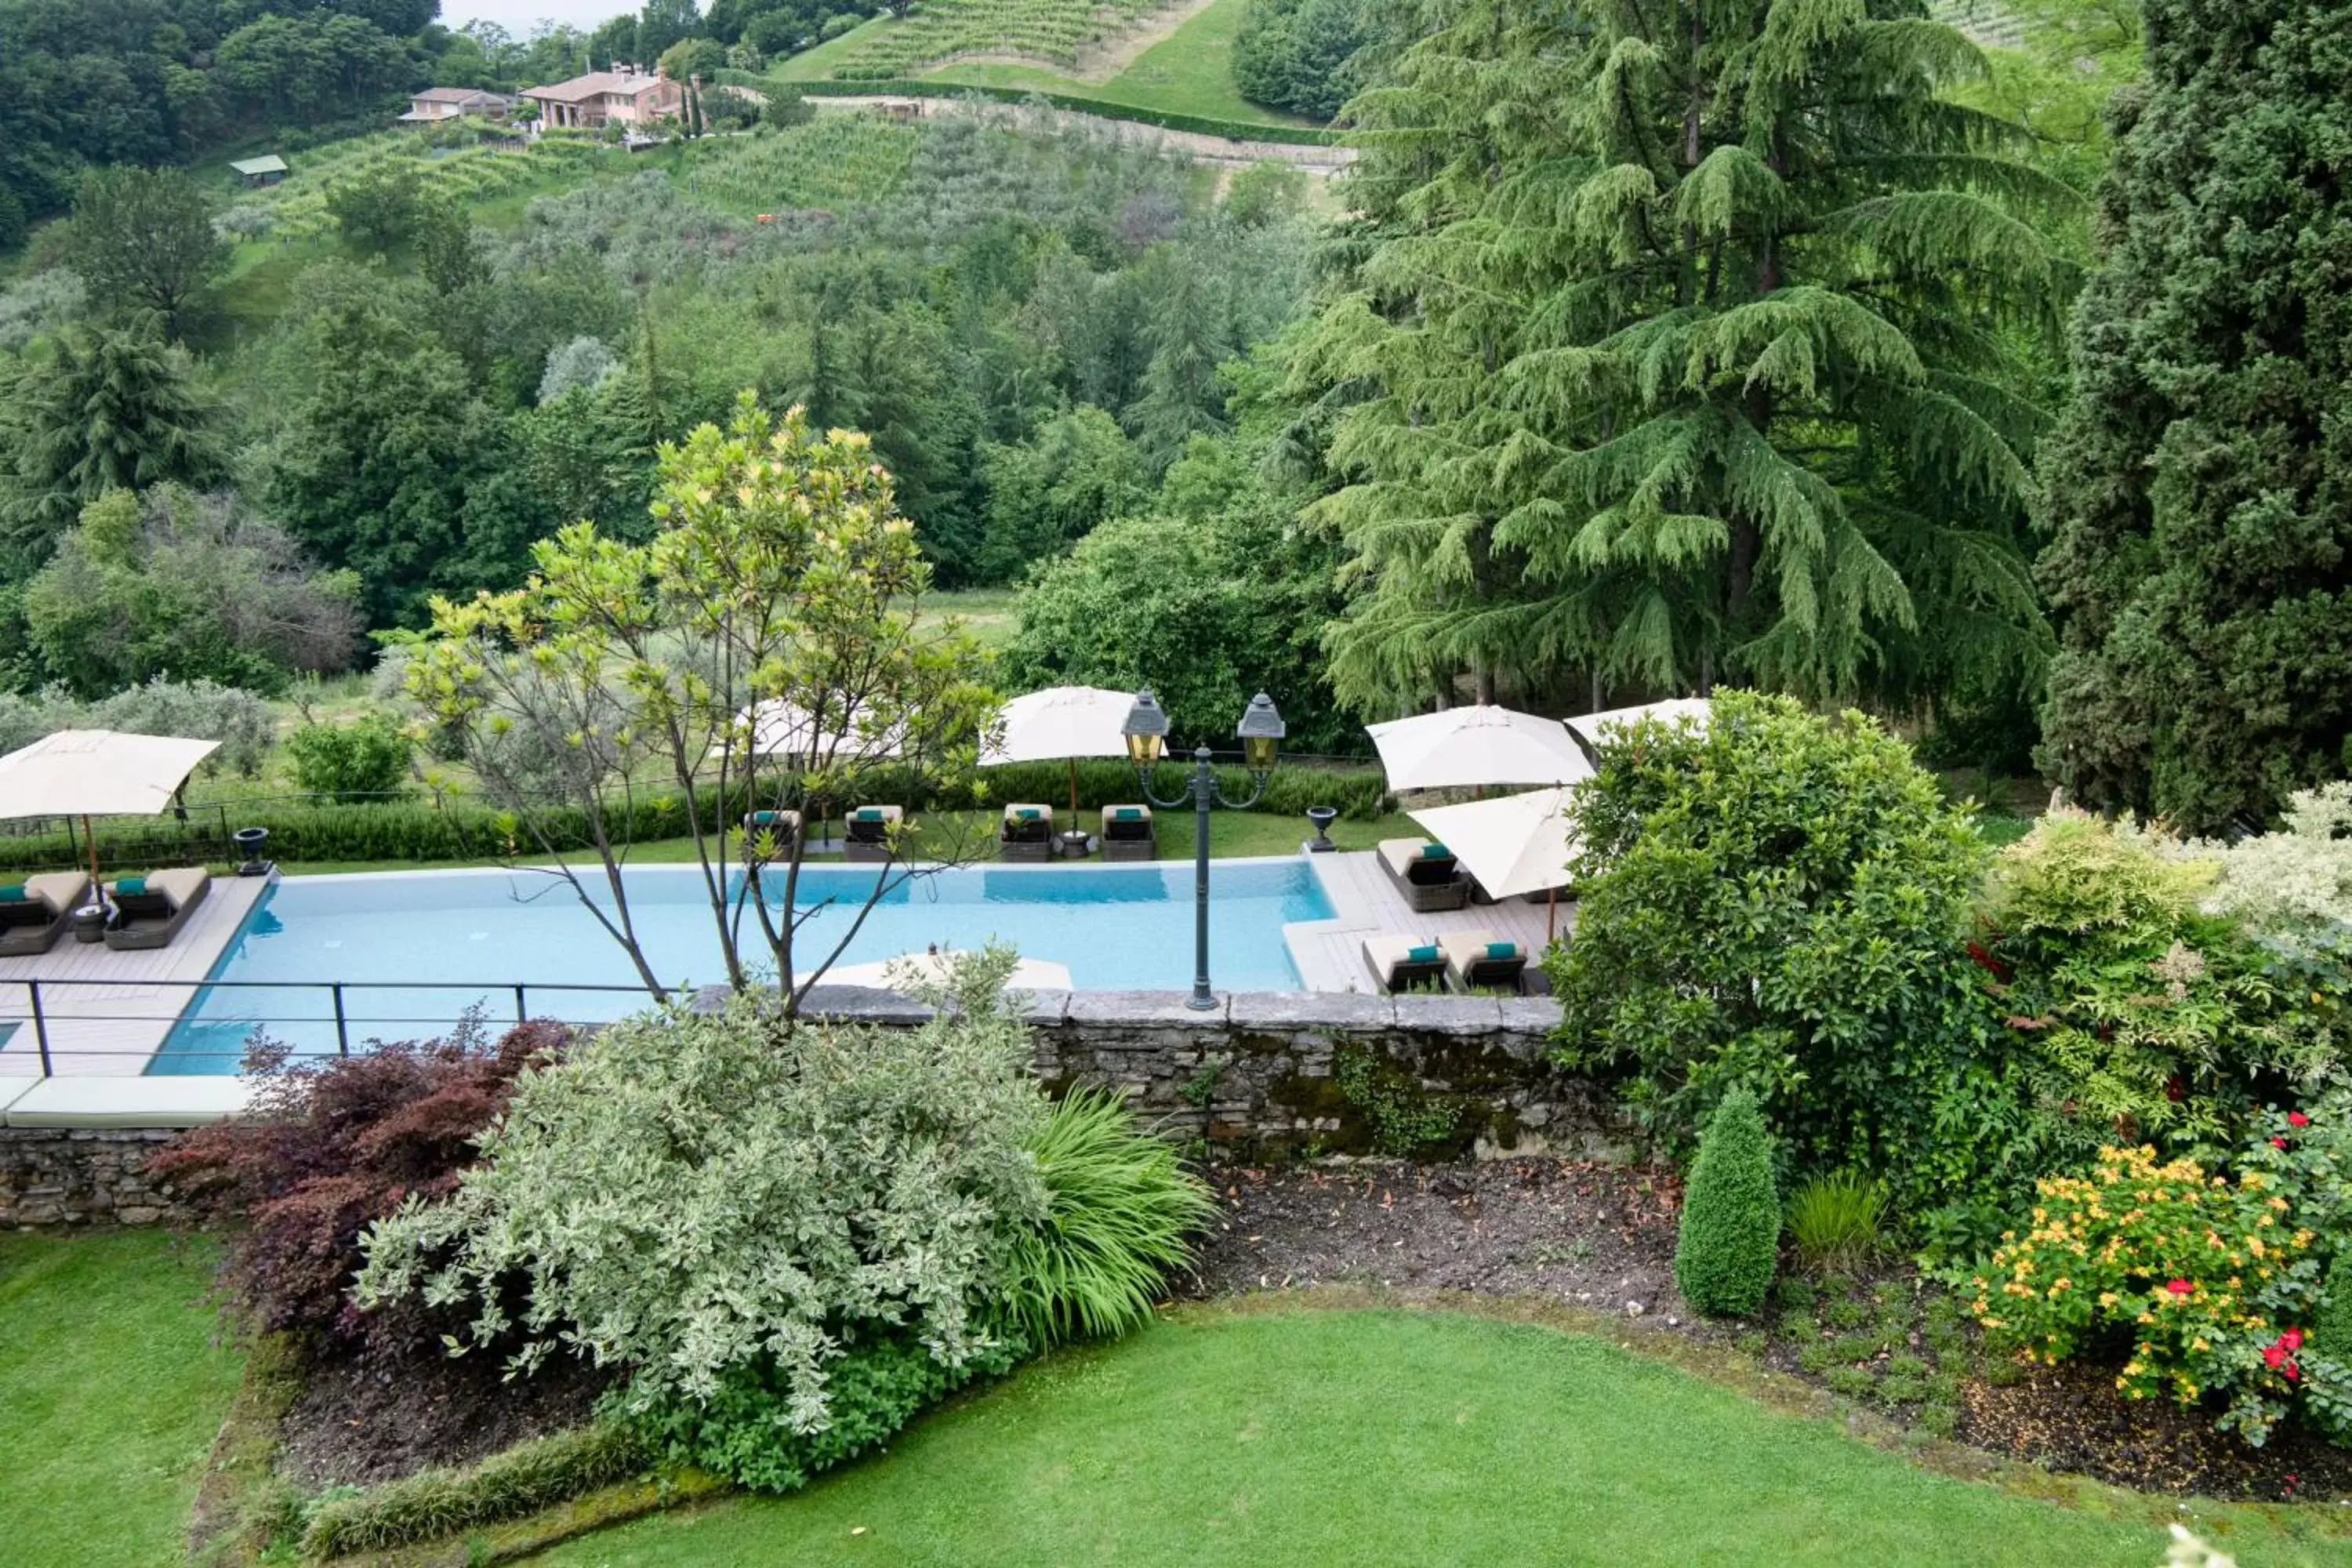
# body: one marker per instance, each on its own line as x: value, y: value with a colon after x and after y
x: 1602, y: 1237
x: 2070, y: 1418
x: 357, y: 1423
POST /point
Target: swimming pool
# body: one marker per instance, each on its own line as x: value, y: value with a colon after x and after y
x: 474, y: 934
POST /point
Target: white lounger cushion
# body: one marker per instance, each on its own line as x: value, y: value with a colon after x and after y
x: 63, y: 892
x: 1386, y: 954
x: 1401, y: 855
x: 188, y: 1100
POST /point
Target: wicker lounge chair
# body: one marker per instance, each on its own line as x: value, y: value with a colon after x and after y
x: 868, y: 830
x: 39, y: 910
x: 151, y: 909
x: 1481, y: 961
x: 1404, y: 963
x: 1027, y: 833
x: 1128, y: 833
x: 784, y: 827
x: 1426, y: 874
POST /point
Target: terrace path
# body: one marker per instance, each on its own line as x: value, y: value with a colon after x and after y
x: 1330, y: 954
x: 112, y: 1029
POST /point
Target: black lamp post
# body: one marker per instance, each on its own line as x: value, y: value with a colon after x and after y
x: 1261, y: 731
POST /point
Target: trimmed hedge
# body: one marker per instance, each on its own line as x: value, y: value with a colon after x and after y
x: 1166, y: 119
x: 419, y: 830
x: 431, y: 1504
x: 1729, y: 1239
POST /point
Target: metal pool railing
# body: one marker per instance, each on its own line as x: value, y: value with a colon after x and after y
x: 41, y: 996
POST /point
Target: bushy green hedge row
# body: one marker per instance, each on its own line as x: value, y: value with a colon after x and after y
x: 1166, y: 119
x: 436, y: 1503
x: 419, y: 830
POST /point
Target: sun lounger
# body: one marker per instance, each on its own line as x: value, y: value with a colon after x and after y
x: 1128, y: 833
x: 1404, y: 963
x: 781, y: 827
x: 1481, y: 961
x: 868, y: 832
x: 1027, y: 833
x: 1426, y: 874
x: 36, y: 912
x: 151, y: 909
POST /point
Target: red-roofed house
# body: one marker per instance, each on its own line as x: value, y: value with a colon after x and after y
x: 622, y: 96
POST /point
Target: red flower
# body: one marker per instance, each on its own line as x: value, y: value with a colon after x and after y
x: 2298, y: 1118
x: 2278, y: 1142
x: 2287, y: 1372
x: 2273, y: 1356
x: 2179, y: 1287
x: 2292, y: 1339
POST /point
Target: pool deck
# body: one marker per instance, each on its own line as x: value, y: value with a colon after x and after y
x: 1330, y: 954
x: 112, y: 1030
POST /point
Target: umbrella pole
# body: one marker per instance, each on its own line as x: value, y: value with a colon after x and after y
x: 1073, y: 791
x: 1551, y: 914
x: 97, y: 888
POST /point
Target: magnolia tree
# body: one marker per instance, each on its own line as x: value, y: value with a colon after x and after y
x: 765, y: 651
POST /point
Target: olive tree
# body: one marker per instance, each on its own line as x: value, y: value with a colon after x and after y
x: 774, y: 613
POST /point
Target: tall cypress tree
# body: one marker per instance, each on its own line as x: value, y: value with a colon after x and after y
x: 1683, y: 343
x: 2200, y: 492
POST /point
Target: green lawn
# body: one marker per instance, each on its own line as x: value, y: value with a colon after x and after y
x: 111, y: 1389
x: 1187, y: 72
x: 1382, y: 1437
x: 1231, y: 833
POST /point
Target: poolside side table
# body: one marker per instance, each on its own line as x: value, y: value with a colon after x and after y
x: 1075, y: 844
x: 90, y: 924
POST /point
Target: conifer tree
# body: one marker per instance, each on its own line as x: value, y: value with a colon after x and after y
x: 1681, y: 344
x: 2199, y: 491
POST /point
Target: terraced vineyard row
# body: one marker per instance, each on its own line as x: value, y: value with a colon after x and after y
x: 297, y: 205
x: 833, y: 160
x: 1051, y: 31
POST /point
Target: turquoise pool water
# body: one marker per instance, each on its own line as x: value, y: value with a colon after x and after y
x: 474, y: 934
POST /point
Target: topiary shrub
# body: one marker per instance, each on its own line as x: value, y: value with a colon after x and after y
x: 1730, y: 1235
x: 2331, y: 1326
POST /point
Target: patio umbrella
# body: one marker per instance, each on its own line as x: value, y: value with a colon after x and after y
x: 1061, y: 723
x: 1592, y: 727
x: 785, y: 729
x: 1482, y: 744
x: 97, y: 772
x: 910, y: 968
x: 1513, y: 844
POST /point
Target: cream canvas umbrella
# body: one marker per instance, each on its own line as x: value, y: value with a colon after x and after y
x: 1513, y: 844
x: 97, y: 772
x: 911, y: 969
x: 1482, y: 744
x: 1060, y: 724
x: 1593, y: 728
x: 785, y: 729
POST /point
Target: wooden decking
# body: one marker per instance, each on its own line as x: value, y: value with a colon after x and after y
x: 1329, y: 954
x: 113, y: 1029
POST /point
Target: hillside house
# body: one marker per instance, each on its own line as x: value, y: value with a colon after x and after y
x: 266, y: 170
x: 436, y: 104
x: 625, y: 95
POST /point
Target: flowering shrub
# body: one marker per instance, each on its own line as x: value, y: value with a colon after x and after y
x: 2134, y: 1013
x: 2214, y: 1281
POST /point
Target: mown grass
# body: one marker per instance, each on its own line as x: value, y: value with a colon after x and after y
x: 955, y: 833
x: 111, y: 1387
x: 1190, y: 72
x: 1384, y: 1437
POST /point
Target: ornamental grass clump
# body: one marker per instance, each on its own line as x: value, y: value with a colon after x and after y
x: 1834, y: 1220
x: 1119, y: 1213
x: 1729, y: 1239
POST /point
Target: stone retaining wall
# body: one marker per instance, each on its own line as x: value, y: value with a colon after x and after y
x: 1268, y: 1077
x: 1257, y: 1078
x: 55, y: 1175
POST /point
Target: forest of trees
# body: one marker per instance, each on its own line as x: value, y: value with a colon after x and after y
x: 1804, y: 347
